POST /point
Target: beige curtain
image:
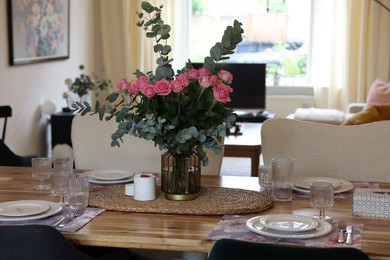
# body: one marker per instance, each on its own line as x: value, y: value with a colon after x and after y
x: 351, y: 47
x: 125, y: 47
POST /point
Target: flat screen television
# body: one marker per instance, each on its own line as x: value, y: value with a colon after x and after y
x: 248, y: 85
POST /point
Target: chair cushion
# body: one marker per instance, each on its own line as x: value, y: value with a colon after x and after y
x: 371, y: 114
x: 379, y: 94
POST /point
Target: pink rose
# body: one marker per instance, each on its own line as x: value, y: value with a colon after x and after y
x: 221, y: 93
x: 225, y: 76
x: 148, y: 90
x: 134, y: 88
x: 142, y: 81
x: 163, y: 87
x: 122, y: 85
x: 205, y: 81
x: 193, y: 73
x: 204, y: 72
x: 214, y: 80
x: 180, y: 82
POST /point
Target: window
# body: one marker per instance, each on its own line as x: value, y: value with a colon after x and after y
x: 288, y: 60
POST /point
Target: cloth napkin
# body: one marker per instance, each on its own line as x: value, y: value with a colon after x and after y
x: 73, y: 226
x: 234, y: 227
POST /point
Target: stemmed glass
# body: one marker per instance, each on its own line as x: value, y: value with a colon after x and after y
x: 265, y: 178
x: 41, y: 169
x: 321, y: 195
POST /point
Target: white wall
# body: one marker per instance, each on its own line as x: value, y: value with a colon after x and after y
x: 25, y: 87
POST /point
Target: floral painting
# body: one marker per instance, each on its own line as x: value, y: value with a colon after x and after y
x: 38, y: 30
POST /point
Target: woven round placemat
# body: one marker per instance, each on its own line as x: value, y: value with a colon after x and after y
x: 211, y: 201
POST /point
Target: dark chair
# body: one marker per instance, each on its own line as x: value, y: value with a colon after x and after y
x: 5, y: 112
x: 9, y: 158
x: 229, y: 249
x: 41, y: 242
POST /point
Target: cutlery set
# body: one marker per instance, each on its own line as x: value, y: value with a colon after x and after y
x: 343, y: 228
x: 68, y: 218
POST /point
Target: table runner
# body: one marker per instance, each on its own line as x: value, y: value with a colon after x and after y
x: 234, y: 227
x: 73, y: 226
x: 211, y: 201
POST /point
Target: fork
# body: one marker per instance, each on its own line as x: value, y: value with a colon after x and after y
x: 341, y: 229
x: 74, y: 214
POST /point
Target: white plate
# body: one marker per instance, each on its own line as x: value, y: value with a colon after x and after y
x: 110, y: 175
x: 322, y: 229
x: 95, y: 181
x: 21, y: 208
x: 344, y: 186
x: 306, y: 181
x: 288, y: 222
x: 54, y: 208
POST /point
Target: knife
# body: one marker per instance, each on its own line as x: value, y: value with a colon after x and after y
x: 349, y: 235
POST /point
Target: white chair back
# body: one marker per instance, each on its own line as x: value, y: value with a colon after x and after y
x: 91, y: 140
x: 356, y: 153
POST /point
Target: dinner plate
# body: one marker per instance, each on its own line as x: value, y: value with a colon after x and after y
x: 344, y: 186
x: 54, y: 208
x: 110, y: 175
x: 96, y: 181
x: 322, y: 229
x: 22, y: 208
x: 305, y: 182
x: 288, y: 222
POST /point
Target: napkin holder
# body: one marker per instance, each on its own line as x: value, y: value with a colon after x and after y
x: 371, y: 202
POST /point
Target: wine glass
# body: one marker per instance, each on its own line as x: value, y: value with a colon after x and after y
x: 321, y: 195
x: 41, y: 169
x: 59, y: 185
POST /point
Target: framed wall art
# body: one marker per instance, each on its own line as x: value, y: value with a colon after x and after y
x: 38, y: 30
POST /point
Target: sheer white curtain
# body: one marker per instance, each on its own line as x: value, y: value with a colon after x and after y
x: 350, y: 48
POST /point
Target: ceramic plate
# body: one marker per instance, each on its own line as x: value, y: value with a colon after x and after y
x: 288, y: 222
x: 322, y: 229
x: 110, y: 175
x: 22, y: 208
x: 95, y: 181
x: 344, y: 186
x: 306, y: 181
x: 54, y: 208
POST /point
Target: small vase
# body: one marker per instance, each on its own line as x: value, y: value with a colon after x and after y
x: 180, y: 175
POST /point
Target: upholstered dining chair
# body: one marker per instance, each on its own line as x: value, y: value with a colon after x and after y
x: 40, y: 242
x: 91, y: 141
x: 355, y: 152
x: 229, y: 249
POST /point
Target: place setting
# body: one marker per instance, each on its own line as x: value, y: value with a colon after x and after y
x: 110, y: 176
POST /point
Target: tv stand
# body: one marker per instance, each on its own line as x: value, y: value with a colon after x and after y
x: 256, y: 117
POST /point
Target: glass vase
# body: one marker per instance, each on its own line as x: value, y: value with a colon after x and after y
x: 180, y: 175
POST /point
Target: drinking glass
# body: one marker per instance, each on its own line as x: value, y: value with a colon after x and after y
x: 265, y: 178
x: 321, y: 195
x: 282, y: 178
x: 41, y: 169
x: 78, y: 190
x: 59, y: 185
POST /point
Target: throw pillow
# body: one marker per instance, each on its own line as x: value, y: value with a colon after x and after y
x: 371, y: 114
x: 379, y: 94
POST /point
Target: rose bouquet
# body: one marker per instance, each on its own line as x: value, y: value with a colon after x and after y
x: 182, y: 113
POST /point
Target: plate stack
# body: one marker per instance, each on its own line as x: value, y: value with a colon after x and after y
x: 303, y: 184
x: 23, y: 210
x: 115, y: 176
x: 288, y: 226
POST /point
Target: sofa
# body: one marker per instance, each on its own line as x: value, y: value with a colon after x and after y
x: 376, y: 108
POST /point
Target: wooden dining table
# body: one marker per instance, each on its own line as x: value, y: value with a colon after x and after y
x: 185, y: 232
